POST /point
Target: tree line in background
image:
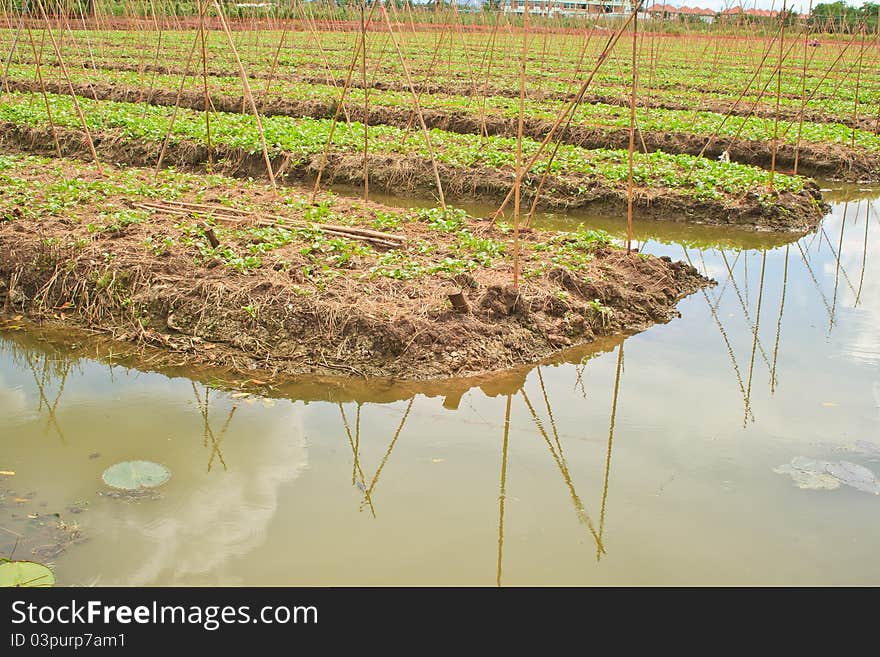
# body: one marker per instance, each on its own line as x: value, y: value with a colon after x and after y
x: 841, y: 17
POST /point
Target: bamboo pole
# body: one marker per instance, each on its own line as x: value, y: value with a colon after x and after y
x: 778, y: 94
x: 76, y: 105
x: 366, y: 121
x: 519, y: 135
x: 417, y: 106
x: 167, y: 139
x: 37, y: 60
x: 858, y: 90
x: 247, y: 91
x: 797, y: 145
x: 335, y: 119
x: 632, y: 130
x: 568, y: 112
x: 203, y: 38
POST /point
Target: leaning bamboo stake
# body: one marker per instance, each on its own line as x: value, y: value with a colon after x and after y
x: 11, y: 53
x: 203, y: 8
x: 37, y: 61
x: 248, y: 94
x: 568, y: 112
x: 274, y: 68
x: 797, y: 145
x: 858, y: 90
x: 176, y: 107
x: 485, y: 90
x: 519, y: 135
x: 63, y: 67
x: 366, y: 121
x: 778, y: 95
x: 632, y: 129
x: 335, y: 119
x: 417, y: 107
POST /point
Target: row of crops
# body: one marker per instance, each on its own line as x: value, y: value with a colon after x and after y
x: 303, y: 138
x: 593, y: 116
x: 671, y: 69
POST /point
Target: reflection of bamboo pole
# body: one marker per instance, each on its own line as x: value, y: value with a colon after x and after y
x: 610, y: 443
x: 369, y: 491
x: 779, y: 323
x: 354, y: 442
x: 837, y: 266
x: 503, y: 489
x: 837, y: 257
x: 744, y: 307
x: 757, y: 324
x: 713, y: 310
x: 813, y: 278
x: 864, y: 249
x: 579, y: 507
x: 41, y: 381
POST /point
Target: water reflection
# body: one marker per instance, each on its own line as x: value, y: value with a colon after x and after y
x: 502, y: 479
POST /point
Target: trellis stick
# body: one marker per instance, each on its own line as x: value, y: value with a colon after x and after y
x: 37, y: 60
x: 203, y: 9
x: 778, y: 94
x: 797, y: 146
x: 632, y: 130
x: 248, y: 94
x: 63, y: 67
x: 335, y: 119
x: 366, y: 122
x: 417, y: 107
x: 176, y: 106
x: 568, y: 113
x: 519, y: 135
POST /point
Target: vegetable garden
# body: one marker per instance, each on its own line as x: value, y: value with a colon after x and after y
x: 160, y: 159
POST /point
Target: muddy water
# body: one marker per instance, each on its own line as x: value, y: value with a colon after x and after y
x: 640, y: 461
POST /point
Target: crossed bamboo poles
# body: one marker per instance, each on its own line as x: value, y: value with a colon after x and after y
x: 554, y: 446
x: 367, y: 484
x: 42, y: 376
x: 208, y: 435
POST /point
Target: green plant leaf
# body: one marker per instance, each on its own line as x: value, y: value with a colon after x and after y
x: 134, y: 475
x: 25, y: 573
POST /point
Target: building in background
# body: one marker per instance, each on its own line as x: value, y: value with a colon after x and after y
x: 591, y: 8
x: 668, y: 12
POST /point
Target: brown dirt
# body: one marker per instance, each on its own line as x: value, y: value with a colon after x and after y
x: 413, y: 175
x: 276, y: 321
